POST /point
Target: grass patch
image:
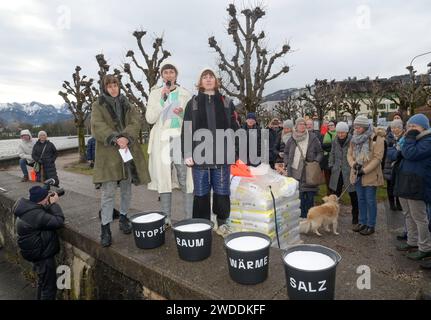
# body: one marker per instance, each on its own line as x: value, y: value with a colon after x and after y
x: 80, y: 168
x: 345, y: 199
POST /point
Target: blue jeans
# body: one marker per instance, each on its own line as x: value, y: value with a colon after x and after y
x: 307, y: 202
x: 367, y: 204
x: 23, y: 165
x: 217, y: 179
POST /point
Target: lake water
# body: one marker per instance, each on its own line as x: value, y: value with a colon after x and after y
x: 8, y: 148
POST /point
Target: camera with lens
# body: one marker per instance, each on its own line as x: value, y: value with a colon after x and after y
x: 51, y: 183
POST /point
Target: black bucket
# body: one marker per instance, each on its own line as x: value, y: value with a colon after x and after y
x: 306, y: 284
x: 151, y: 234
x: 193, y: 245
x: 251, y: 266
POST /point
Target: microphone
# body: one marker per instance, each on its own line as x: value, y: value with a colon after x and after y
x: 168, y: 84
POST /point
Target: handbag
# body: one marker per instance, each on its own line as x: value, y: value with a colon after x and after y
x: 37, y: 165
x: 313, y: 172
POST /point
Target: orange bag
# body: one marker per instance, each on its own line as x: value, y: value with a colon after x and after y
x: 32, y: 175
x: 240, y: 169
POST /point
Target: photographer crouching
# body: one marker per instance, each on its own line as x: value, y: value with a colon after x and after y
x: 38, y: 219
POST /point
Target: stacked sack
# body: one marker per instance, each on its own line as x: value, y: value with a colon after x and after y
x: 252, y: 205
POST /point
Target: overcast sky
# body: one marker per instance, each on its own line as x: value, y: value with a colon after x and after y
x: 42, y: 41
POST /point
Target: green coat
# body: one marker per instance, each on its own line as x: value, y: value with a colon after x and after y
x: 108, y: 164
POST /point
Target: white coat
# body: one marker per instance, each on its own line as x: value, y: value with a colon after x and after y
x: 162, y: 173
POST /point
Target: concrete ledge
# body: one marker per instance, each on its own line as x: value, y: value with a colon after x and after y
x: 13, y: 160
x: 124, y: 271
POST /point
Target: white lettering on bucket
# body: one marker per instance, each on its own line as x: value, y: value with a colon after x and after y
x: 249, y: 264
x: 308, y: 286
x: 150, y: 233
x: 190, y: 243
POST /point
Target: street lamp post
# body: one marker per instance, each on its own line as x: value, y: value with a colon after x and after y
x: 413, y: 81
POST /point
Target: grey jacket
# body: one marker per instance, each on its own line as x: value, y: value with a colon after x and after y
x: 339, y: 164
x: 314, y: 153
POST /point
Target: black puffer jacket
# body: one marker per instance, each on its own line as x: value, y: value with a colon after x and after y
x: 36, y: 228
x: 47, y: 159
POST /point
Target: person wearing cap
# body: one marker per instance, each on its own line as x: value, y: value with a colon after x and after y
x: 165, y: 111
x: 115, y: 124
x: 38, y: 218
x: 365, y: 156
x: 45, y: 153
x: 208, y: 114
x: 25, y: 148
x: 412, y: 184
x: 273, y: 129
x: 304, y: 146
x: 329, y: 136
x: 282, y: 139
x: 254, y: 139
x: 340, y: 169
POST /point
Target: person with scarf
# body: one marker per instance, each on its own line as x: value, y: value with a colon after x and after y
x: 206, y: 115
x: 282, y: 138
x: 365, y: 155
x: 412, y: 176
x: 115, y: 124
x: 394, y: 140
x: 304, y: 146
x: 340, y: 169
x: 165, y: 111
x: 25, y: 148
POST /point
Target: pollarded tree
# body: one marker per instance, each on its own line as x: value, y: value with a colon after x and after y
x: 374, y: 98
x: 319, y: 96
x: 79, y: 96
x: 287, y: 109
x: 250, y: 68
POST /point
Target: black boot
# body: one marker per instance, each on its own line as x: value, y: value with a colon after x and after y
x: 125, y: 225
x: 392, y: 204
x: 106, y: 238
x: 399, y: 207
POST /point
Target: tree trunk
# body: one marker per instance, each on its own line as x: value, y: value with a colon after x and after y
x: 81, y: 143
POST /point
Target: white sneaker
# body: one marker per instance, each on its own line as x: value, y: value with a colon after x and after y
x: 224, y: 230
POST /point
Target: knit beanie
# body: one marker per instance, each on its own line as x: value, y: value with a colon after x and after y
x: 288, y: 124
x: 420, y: 120
x: 361, y: 121
x: 37, y: 194
x: 342, y: 127
x: 397, y: 124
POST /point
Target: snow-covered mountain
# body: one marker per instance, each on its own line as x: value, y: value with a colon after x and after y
x: 34, y: 112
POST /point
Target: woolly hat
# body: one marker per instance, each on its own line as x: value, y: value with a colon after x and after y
x: 41, y: 133
x: 420, y: 120
x: 251, y: 115
x: 298, y: 121
x: 342, y: 127
x: 362, y: 121
x: 168, y: 65
x: 37, y: 194
x: 397, y: 123
x: 288, y: 124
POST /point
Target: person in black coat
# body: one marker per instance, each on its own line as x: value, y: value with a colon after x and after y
x: 273, y: 129
x: 38, y: 218
x: 254, y: 137
x: 45, y: 153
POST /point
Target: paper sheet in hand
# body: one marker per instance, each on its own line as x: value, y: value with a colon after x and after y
x: 125, y: 154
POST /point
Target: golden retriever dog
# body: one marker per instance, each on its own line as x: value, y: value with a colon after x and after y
x: 322, y: 216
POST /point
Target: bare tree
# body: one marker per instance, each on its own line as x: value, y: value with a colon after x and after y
x: 337, y: 99
x: 79, y: 96
x: 374, y: 98
x: 319, y: 96
x: 250, y: 68
x: 352, y: 99
x: 287, y: 109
